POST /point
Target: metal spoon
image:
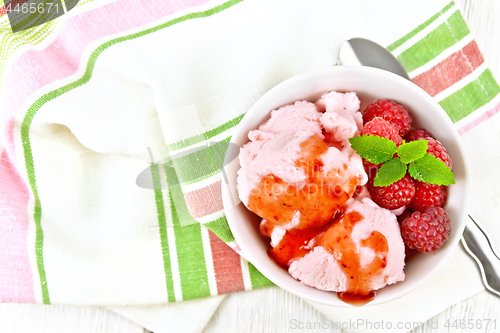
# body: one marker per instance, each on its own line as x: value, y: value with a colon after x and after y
x: 476, y: 241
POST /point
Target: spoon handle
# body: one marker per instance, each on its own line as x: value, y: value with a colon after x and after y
x: 477, y: 243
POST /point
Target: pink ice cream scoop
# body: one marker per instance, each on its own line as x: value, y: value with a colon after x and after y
x: 361, y: 252
x: 342, y: 119
x: 290, y: 175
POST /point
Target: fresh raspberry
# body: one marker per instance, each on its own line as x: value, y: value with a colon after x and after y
x: 395, y: 195
x: 427, y: 195
x: 396, y: 114
x: 436, y: 148
x: 418, y: 134
x: 428, y: 231
x: 379, y: 127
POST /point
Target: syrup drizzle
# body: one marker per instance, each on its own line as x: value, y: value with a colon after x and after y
x: 338, y: 241
x: 278, y: 201
x: 322, y: 221
x: 296, y: 244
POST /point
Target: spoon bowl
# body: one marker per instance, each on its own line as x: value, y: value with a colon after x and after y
x: 364, y: 52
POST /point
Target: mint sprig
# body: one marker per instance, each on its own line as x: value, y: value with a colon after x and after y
x: 411, y: 156
x: 372, y: 148
x: 411, y: 151
x: 390, y: 172
x: 429, y: 169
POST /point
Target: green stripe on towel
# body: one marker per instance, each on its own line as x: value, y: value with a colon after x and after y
x: 190, y: 253
x: 220, y: 228
x: 471, y: 97
x: 205, y: 136
x: 37, y: 210
x: 162, y: 227
x: 440, y: 39
x: 421, y: 27
x: 258, y: 280
x: 202, y: 163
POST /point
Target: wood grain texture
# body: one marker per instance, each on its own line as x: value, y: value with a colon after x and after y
x: 267, y: 310
x: 259, y: 311
x: 272, y: 309
x: 31, y: 318
x: 474, y: 310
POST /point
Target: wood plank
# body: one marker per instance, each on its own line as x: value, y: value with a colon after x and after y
x: 33, y: 318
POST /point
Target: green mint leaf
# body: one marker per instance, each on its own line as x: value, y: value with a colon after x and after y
x: 372, y: 148
x: 429, y: 169
x: 390, y: 172
x: 411, y: 151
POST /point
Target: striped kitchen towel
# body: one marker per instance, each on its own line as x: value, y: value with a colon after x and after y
x: 116, y: 117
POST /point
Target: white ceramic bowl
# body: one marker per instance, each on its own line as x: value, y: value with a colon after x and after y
x: 370, y: 84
